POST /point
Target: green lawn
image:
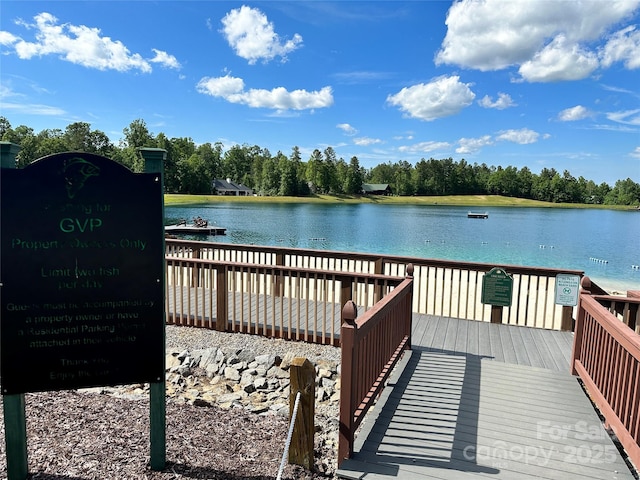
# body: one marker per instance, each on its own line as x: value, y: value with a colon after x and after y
x: 470, y: 201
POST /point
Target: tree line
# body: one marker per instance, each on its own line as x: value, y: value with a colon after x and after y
x: 191, y: 168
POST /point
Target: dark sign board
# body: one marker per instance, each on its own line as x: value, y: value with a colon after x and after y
x: 497, y: 288
x: 82, y: 273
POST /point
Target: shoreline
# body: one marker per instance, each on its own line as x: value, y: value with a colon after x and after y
x: 183, y: 200
x: 614, y: 287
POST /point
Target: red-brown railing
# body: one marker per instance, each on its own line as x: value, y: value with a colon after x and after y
x: 371, y: 346
x: 606, y: 356
x: 273, y: 301
x: 441, y: 287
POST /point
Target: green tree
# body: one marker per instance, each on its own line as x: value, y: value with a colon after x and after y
x: 402, y: 182
x: 137, y: 135
x: 5, y: 127
x: 381, y: 173
x: 193, y: 176
x: 315, y: 172
x: 79, y: 137
x: 237, y: 164
x: 354, y: 177
x: 624, y: 192
x: 288, y: 176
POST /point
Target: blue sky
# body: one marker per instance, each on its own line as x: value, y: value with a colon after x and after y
x: 548, y: 83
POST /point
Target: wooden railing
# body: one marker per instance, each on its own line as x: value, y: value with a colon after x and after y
x: 284, y: 302
x: 606, y: 356
x: 371, y: 346
x: 441, y: 287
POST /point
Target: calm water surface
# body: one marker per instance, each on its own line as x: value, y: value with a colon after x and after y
x: 603, y: 243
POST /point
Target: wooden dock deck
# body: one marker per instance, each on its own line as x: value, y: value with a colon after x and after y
x: 475, y: 400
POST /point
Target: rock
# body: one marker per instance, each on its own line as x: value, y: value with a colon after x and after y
x: 228, y: 398
x: 231, y: 373
x: 260, y: 384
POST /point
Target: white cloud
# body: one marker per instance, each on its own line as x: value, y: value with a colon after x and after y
x: 472, y: 145
x: 81, y: 45
x: 252, y: 36
x: 503, y: 101
x: 635, y: 153
x: 558, y: 61
x: 623, y: 46
x: 627, y: 117
x: 442, y: 97
x: 163, y: 58
x: 7, y: 38
x: 232, y: 90
x: 523, y: 136
x: 574, y: 113
x: 32, y: 109
x: 497, y: 34
x: 424, y: 147
x: 366, y: 141
x: 347, y: 129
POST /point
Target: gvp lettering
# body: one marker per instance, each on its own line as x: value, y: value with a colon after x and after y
x: 71, y: 225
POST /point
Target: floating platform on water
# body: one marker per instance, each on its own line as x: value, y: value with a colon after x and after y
x: 477, y: 215
x: 195, y: 229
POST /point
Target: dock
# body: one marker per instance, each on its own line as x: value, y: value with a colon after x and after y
x: 478, y: 215
x: 475, y: 400
x: 195, y: 229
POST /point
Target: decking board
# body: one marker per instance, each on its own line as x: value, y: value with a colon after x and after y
x: 427, y: 427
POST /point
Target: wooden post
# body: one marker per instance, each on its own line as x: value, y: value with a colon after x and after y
x: 154, y: 159
x: 347, y: 339
x: 279, y: 284
x: 303, y: 380
x: 222, y: 299
x: 576, y: 350
x: 567, y: 319
x: 496, y: 314
x: 196, y: 254
x: 378, y: 269
x: 346, y: 291
x: 15, y: 421
x: 409, y: 274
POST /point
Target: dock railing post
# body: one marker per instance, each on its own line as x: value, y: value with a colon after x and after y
x: 222, y: 298
x: 496, y: 314
x: 576, y: 350
x: 347, y: 338
x: 567, y: 319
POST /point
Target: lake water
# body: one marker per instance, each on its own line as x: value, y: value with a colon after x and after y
x: 605, y: 244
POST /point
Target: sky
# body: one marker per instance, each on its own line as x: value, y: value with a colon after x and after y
x: 537, y: 84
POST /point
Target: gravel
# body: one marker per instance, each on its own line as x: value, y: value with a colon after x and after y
x: 85, y: 435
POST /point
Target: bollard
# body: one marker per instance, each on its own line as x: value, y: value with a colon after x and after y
x: 303, y: 380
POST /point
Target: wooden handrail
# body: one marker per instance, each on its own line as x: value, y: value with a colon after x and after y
x: 606, y: 356
x: 371, y: 346
x: 270, y: 300
x: 441, y: 287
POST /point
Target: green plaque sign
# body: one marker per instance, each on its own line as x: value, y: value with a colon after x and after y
x: 81, y: 273
x: 497, y: 288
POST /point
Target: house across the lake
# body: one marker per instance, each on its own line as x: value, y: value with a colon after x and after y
x: 376, y: 189
x: 227, y: 187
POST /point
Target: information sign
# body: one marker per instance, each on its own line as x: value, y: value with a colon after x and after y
x: 497, y: 288
x: 567, y: 290
x: 81, y: 274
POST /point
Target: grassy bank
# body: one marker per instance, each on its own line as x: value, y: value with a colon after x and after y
x: 471, y: 201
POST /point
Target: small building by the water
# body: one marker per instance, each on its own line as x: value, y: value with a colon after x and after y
x: 376, y: 189
x: 227, y: 187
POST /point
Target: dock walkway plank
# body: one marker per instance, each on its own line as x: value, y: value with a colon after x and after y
x: 485, y: 410
x: 471, y: 400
